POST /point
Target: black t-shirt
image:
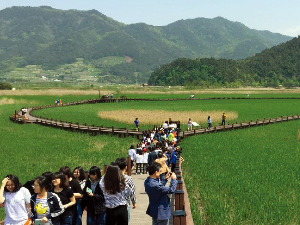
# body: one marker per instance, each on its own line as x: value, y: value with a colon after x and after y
x: 65, y: 196
x: 75, y: 186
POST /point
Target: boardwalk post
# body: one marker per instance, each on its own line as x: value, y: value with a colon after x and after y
x: 179, y: 217
x: 178, y: 177
x: 179, y: 185
x: 129, y: 165
x: 179, y: 200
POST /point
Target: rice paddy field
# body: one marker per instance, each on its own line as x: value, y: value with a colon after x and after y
x: 249, y: 176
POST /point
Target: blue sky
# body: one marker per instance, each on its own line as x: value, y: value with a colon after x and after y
x: 273, y: 15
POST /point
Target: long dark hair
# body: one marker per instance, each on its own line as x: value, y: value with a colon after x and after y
x: 16, y: 182
x: 114, y: 180
x: 81, y: 173
x: 63, y: 181
x: 95, y: 170
x: 66, y: 171
x: 48, y: 175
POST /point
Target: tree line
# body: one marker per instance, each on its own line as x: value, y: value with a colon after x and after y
x: 273, y: 67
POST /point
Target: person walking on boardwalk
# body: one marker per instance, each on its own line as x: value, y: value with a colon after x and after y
x: 16, y: 200
x: 132, y: 154
x: 159, y: 203
x: 45, y: 206
x: 224, y: 117
x: 93, y: 198
x: 122, y: 163
x: 115, y: 191
x: 190, y: 125
x: 137, y: 122
x: 208, y: 122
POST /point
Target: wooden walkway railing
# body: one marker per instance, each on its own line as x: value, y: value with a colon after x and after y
x: 181, y: 210
x: 124, y: 132
x: 240, y: 125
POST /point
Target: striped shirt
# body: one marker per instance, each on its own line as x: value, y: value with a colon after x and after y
x: 115, y: 200
x: 130, y: 184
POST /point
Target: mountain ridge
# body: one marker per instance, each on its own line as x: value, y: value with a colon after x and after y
x: 51, y: 37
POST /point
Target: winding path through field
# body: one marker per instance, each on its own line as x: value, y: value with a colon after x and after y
x: 138, y: 215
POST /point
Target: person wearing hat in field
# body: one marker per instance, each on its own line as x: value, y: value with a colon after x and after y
x: 224, y: 117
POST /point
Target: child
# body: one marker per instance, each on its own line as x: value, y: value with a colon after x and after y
x: 45, y: 206
x: 94, y: 199
x: 66, y: 195
x: 16, y: 200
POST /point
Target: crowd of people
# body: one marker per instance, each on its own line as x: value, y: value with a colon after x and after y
x: 60, y: 198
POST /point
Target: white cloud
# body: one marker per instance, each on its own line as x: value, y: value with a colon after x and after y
x: 291, y: 31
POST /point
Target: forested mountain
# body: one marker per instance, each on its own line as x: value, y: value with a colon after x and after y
x: 50, y: 37
x: 279, y: 65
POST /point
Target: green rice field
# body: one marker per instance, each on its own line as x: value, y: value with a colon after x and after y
x: 248, y: 176
x: 249, y: 109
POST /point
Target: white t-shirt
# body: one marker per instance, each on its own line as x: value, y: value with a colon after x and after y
x: 145, y: 157
x: 139, y: 158
x: 15, y: 208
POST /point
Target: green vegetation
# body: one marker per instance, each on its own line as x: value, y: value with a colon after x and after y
x: 5, y: 86
x: 249, y: 109
x: 50, y: 38
x: 246, y: 176
x: 275, y: 67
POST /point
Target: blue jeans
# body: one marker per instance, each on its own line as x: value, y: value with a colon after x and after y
x: 160, y: 222
x: 93, y: 219
x: 128, y: 210
x: 79, y: 212
x: 66, y: 220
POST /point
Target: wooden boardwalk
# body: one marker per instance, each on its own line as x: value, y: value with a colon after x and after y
x: 123, y: 132
x: 138, y: 215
